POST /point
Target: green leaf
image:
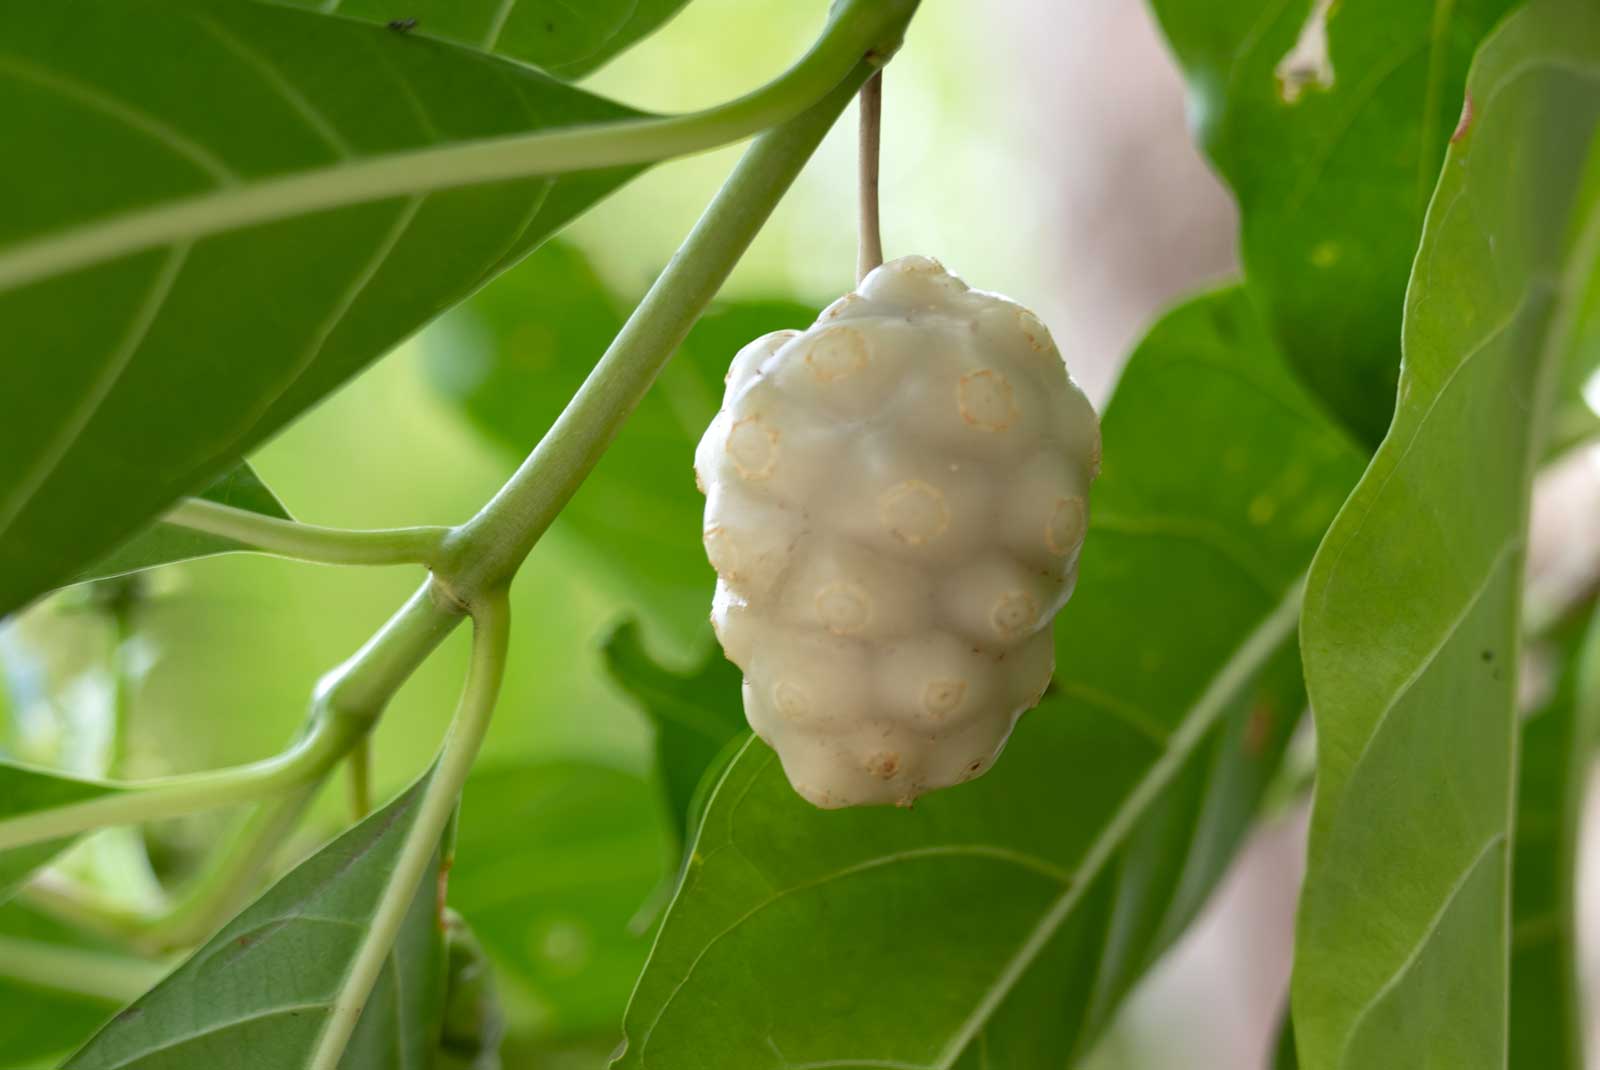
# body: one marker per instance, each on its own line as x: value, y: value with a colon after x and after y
x: 1411, y: 620
x: 1006, y: 919
x: 165, y: 543
x: 257, y: 995
x: 695, y: 714
x: 515, y: 354
x: 553, y: 862
x: 565, y: 38
x: 1557, y: 753
x: 25, y: 790
x: 1332, y: 184
x: 207, y: 250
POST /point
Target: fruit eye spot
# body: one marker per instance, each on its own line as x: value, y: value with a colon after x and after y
x: 942, y: 697
x: 753, y: 447
x: 841, y: 306
x: 722, y: 550
x: 1033, y: 330
x: 884, y: 766
x: 837, y: 352
x: 985, y: 400
x: 914, y: 511
x: 843, y: 607
x: 1014, y: 614
x: 790, y: 700
x: 1064, y: 532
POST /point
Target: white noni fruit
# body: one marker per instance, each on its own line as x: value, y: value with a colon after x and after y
x: 895, y: 500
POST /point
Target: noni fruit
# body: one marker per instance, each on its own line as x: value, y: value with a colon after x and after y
x: 895, y: 501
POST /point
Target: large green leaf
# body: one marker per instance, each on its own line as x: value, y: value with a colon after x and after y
x: 208, y: 247
x: 1332, y: 172
x: 26, y: 790
x: 1002, y: 922
x: 514, y: 355
x: 693, y: 717
x: 165, y: 543
x: 1411, y: 622
x: 565, y: 38
x: 1557, y: 754
x: 257, y: 995
x: 553, y: 862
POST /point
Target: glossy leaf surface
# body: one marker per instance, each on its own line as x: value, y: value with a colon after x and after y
x: 205, y: 249
x: 1411, y: 625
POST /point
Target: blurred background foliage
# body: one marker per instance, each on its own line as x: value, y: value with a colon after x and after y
x: 1038, y: 152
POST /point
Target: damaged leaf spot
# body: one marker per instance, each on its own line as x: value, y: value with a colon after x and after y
x: 1465, y: 121
x: 1307, y: 65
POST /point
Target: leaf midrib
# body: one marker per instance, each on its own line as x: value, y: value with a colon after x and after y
x: 394, y: 175
x: 1229, y: 680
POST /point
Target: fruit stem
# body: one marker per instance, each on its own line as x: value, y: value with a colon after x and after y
x: 869, y: 250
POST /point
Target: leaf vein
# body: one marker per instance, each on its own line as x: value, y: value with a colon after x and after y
x: 1021, y: 859
x: 219, y: 1027
x: 285, y: 89
x: 95, y: 396
x: 347, y: 301
x: 135, y: 118
x: 1415, y: 953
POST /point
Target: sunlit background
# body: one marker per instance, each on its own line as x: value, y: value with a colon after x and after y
x: 1037, y: 148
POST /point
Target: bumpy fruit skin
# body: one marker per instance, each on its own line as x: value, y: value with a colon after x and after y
x: 895, y: 501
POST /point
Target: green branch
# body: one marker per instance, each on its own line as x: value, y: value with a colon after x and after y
x: 307, y: 542
x: 347, y: 703
x: 136, y: 802
x: 230, y: 877
x: 111, y: 977
x: 491, y: 628
x: 485, y: 553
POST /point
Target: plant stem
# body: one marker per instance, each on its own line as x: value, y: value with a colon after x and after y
x: 114, y: 978
x: 135, y: 802
x: 485, y: 552
x: 120, y: 612
x: 856, y: 28
x: 307, y: 542
x: 347, y: 702
x: 358, y: 690
x: 869, y: 248
x: 491, y: 627
x: 202, y: 906
x: 359, y: 773
x: 231, y: 878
